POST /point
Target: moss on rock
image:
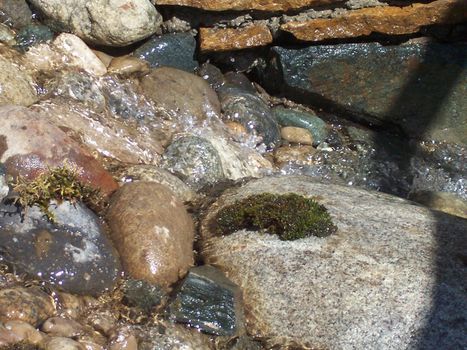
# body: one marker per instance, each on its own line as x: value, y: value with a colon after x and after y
x: 290, y: 216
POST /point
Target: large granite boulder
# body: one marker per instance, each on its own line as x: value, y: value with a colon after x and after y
x: 419, y: 86
x: 393, y: 276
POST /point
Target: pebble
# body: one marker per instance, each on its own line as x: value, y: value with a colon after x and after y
x: 25, y: 331
x: 79, y: 54
x: 296, y: 135
x: 30, y: 305
x: 61, y: 343
x: 61, y: 327
x: 294, y: 154
x: 126, y: 65
x: 105, y: 58
x: 152, y: 231
x: 123, y: 339
x: 15, y: 13
x: 16, y: 86
x: 31, y: 35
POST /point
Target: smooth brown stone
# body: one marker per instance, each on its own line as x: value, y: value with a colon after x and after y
x: 240, y: 5
x: 127, y: 65
x: 389, y: 20
x: 297, y: 135
x: 228, y: 39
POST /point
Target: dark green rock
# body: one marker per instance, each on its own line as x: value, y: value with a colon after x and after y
x: 418, y: 86
x: 291, y: 117
x: 172, y: 50
x: 32, y: 35
x: 251, y: 111
x: 15, y: 13
x: 142, y: 294
x: 208, y: 301
x: 194, y: 160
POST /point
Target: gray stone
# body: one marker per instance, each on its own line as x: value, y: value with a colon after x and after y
x: 418, y: 86
x: 113, y: 23
x: 15, y: 13
x: 16, y: 86
x: 73, y: 254
x: 291, y: 117
x: 171, y: 50
x: 32, y: 35
x: 7, y: 35
x: 195, y: 160
x: 392, y: 277
x: 209, y: 302
x: 142, y: 294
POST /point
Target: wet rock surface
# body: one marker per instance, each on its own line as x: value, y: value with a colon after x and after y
x: 16, y: 86
x: 30, y: 305
x: 349, y: 289
x: 15, y: 13
x: 228, y: 39
x: 152, y: 232
x: 171, y: 50
x: 73, y: 254
x: 32, y: 35
x: 416, y: 70
x: 113, y: 23
x: 208, y: 301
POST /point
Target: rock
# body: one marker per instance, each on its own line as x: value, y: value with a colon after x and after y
x: 242, y: 5
x: 392, y: 276
x: 442, y: 201
x: 70, y: 305
x: 152, y: 232
x: 208, y: 301
x: 169, y: 336
x: 24, y: 331
x: 185, y: 96
x: 296, y: 135
x: 103, y: 321
x: 194, y: 160
x: 107, y: 136
x: 7, y: 35
x: 252, y: 112
x: 72, y: 254
x: 175, y: 50
x: 141, y: 294
x: 61, y: 327
x: 31, y: 35
x: 389, y: 20
x: 15, y: 13
x: 228, y: 39
x: 16, y: 86
x: 300, y: 155
x: 43, y: 60
x: 105, y: 58
x: 127, y: 65
x: 79, y: 55
x: 30, y: 144
x: 212, y: 75
x: 300, y: 119
x: 112, y: 23
x: 30, y: 305
x: 61, y: 343
x: 123, y: 339
x: 151, y: 173
x: 407, y: 85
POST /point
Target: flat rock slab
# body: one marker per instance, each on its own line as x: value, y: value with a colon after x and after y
x: 241, y: 5
x: 419, y: 86
x: 392, y: 277
x: 391, y: 20
x: 228, y: 39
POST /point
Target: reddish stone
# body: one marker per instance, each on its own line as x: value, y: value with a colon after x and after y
x: 227, y: 39
x: 241, y: 5
x: 30, y: 145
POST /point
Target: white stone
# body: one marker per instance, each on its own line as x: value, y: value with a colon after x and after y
x: 105, y: 22
x: 78, y: 54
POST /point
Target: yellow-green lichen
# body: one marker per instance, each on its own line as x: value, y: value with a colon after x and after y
x: 55, y: 184
x: 290, y: 216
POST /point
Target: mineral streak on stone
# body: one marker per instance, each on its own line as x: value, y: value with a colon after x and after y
x: 419, y: 86
x: 227, y: 39
x: 208, y: 301
x: 389, y: 20
x: 241, y: 5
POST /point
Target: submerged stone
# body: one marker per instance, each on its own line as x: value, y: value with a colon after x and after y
x: 73, y: 254
x: 31, y: 35
x: 195, y: 160
x: 175, y: 50
x: 209, y: 302
x: 15, y: 13
x: 142, y: 294
x: 291, y: 117
x: 418, y: 86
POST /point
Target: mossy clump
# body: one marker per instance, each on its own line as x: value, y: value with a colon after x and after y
x: 290, y: 216
x: 59, y: 184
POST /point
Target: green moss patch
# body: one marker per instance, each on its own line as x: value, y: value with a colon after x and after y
x: 57, y: 184
x: 290, y: 216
